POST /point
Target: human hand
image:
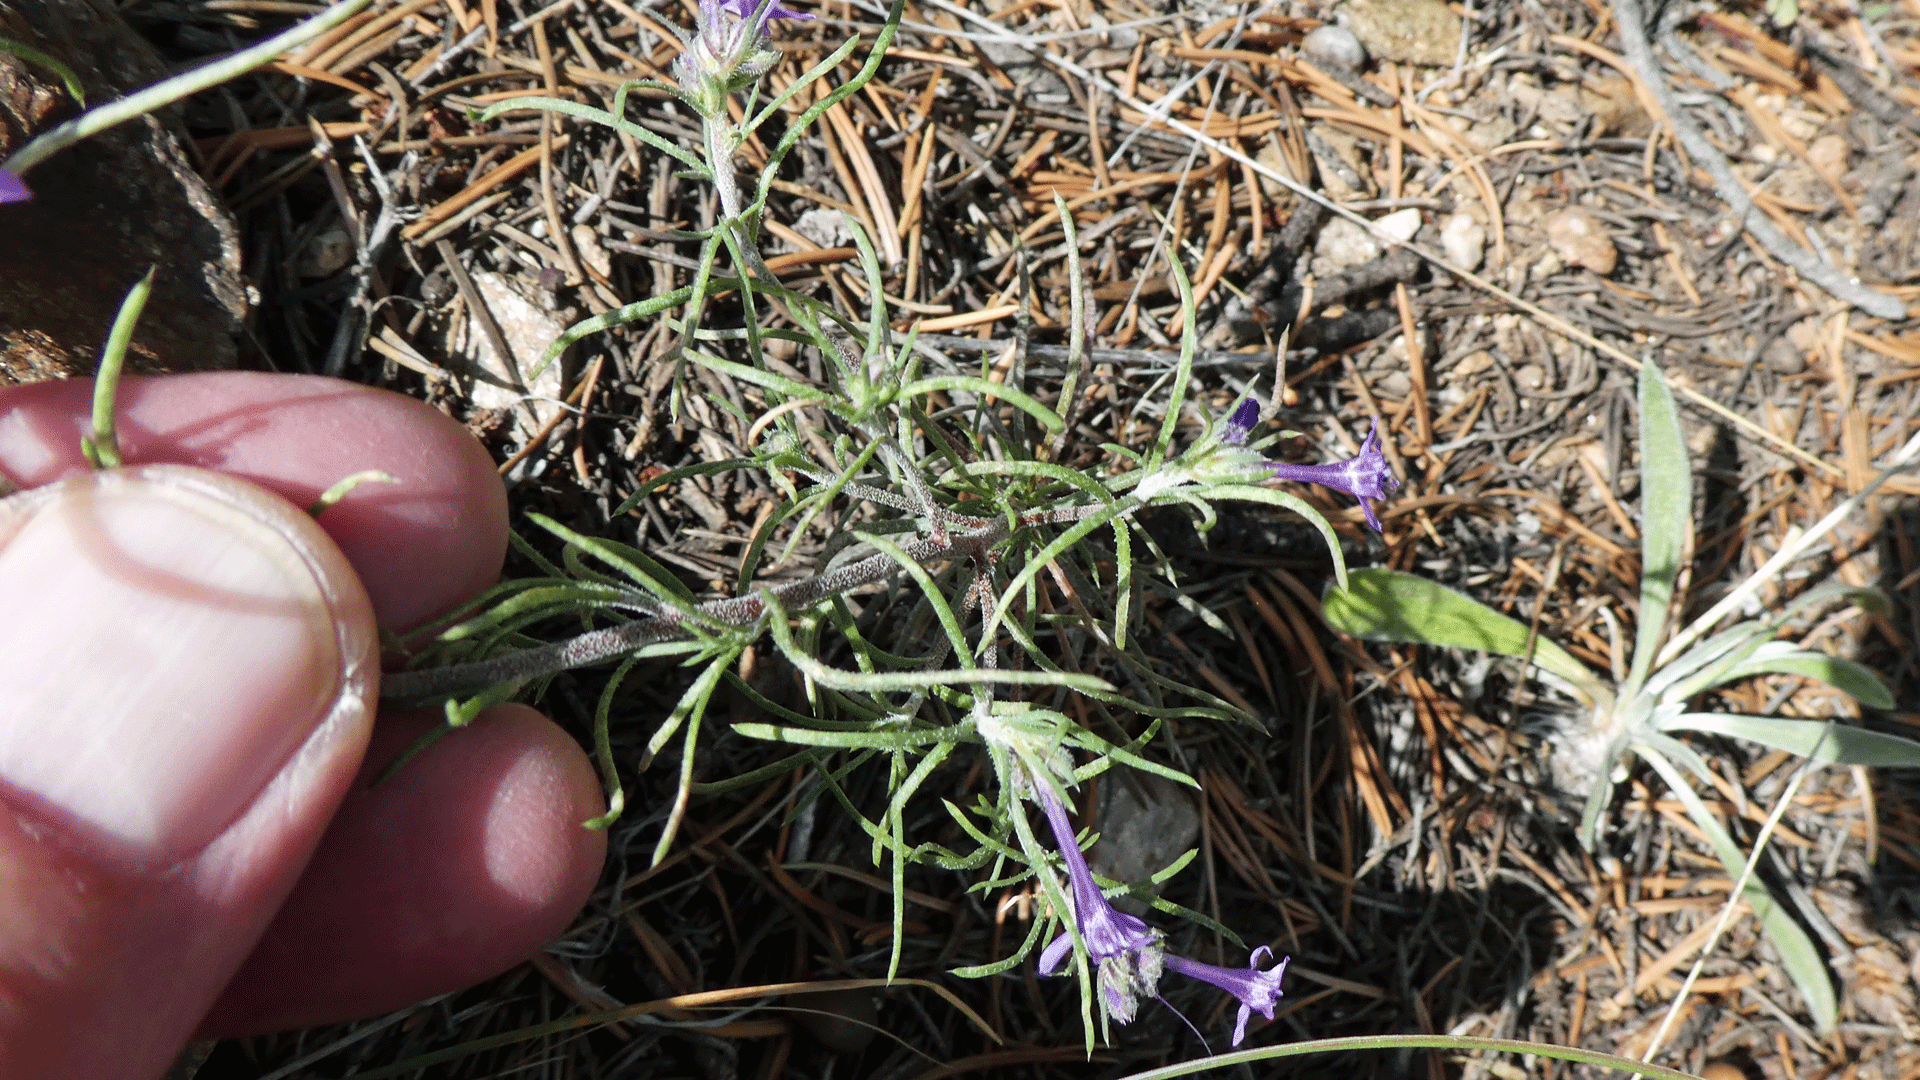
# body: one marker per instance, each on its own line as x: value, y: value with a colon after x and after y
x: 188, y: 676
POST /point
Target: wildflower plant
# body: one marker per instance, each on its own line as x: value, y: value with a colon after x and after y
x: 1647, y: 703
x: 973, y: 586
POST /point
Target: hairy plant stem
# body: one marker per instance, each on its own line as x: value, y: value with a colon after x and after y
x: 726, y: 185
x: 597, y: 646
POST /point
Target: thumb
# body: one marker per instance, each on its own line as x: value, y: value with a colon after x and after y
x: 187, y: 674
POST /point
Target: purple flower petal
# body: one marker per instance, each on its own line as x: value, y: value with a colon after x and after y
x: 1240, y: 424
x: 1106, y: 930
x: 1256, y: 989
x: 1056, y: 951
x: 749, y: 9
x: 13, y: 188
x: 1124, y: 950
x: 1365, y: 476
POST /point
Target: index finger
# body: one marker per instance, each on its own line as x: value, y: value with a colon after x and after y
x: 421, y: 545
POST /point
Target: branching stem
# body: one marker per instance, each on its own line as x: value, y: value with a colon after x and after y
x: 597, y: 646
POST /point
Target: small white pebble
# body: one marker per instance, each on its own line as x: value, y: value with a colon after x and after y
x: 1401, y: 224
x: 1334, y: 46
x: 1464, y: 240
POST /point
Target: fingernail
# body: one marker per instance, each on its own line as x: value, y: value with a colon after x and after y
x: 169, y: 643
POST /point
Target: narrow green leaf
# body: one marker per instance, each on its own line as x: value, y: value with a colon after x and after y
x: 1290, y: 501
x: 1798, y: 955
x: 1666, y: 502
x: 674, y: 476
x: 1387, y: 605
x: 1721, y: 651
x: 603, y: 748
x: 1866, y: 597
x: 1819, y: 740
x: 747, y: 373
x: 973, y: 384
x: 873, y: 740
x: 1183, y: 371
x: 1058, y: 546
x: 802, y: 83
x: 598, y: 116
x: 756, y: 777
x: 902, y: 681
x: 981, y: 971
x: 102, y: 448
x: 1593, y: 815
x: 345, y: 487
x: 1670, y: 747
x: 1842, y: 674
x: 34, y: 56
x: 634, y: 563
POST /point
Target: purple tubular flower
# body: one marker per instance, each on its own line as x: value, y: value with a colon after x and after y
x: 1240, y: 424
x: 750, y: 9
x: 1124, y: 949
x: 1364, y: 477
x: 13, y: 188
x: 1256, y: 989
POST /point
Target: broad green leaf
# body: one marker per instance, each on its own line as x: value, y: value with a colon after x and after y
x: 1819, y: 740
x: 1666, y: 499
x: 1802, y: 961
x: 1387, y: 605
x: 1844, y: 675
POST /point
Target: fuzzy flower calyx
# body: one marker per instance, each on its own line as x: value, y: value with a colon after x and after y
x: 728, y: 50
x: 1256, y: 989
x: 1366, y: 476
x: 1124, y: 950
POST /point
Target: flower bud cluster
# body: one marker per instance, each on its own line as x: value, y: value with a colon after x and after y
x: 728, y: 51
